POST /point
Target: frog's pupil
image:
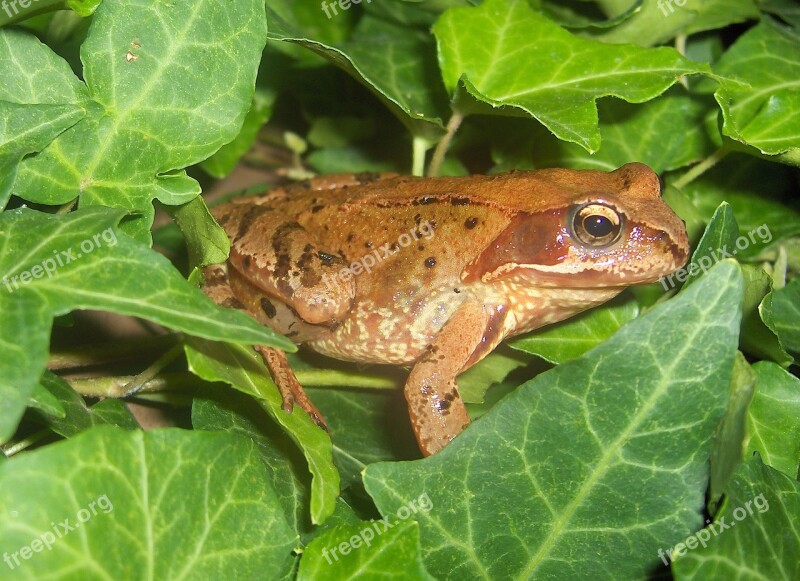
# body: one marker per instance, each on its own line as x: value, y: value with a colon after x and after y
x: 598, y: 226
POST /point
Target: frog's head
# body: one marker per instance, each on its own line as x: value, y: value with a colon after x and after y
x: 586, y: 229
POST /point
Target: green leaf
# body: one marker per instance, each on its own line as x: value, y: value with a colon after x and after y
x: 565, y: 447
x: 399, y: 74
x: 150, y: 115
x: 81, y: 261
x: 508, y: 55
x: 492, y: 369
x: 206, y: 241
x: 366, y: 427
x: 754, y: 189
x: 167, y: 504
x: 223, y: 162
x: 781, y: 312
x: 757, y: 338
x: 728, y: 447
x: 765, y: 113
x: 718, y: 242
x: 755, y: 536
x: 574, y: 337
x: 774, y: 420
x: 364, y: 550
x: 243, y: 369
x: 79, y: 417
x: 661, y: 20
x: 26, y: 129
x: 233, y: 412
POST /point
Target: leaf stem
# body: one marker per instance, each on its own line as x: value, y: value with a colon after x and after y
x: 115, y: 386
x: 702, y: 167
x: 139, y: 381
x: 444, y: 143
x: 11, y: 449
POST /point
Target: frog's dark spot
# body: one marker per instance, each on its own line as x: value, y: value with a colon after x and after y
x: 368, y: 245
x: 308, y: 248
x: 425, y: 200
x: 417, y: 219
x: 246, y: 261
x: 430, y: 262
x: 295, y: 273
x: 394, y: 247
x: 350, y: 237
x: 443, y: 405
x: 317, y: 208
x: 326, y: 258
x: 247, y: 220
x: 470, y: 223
x: 291, y: 334
x: 459, y: 201
x: 366, y: 177
x: 233, y: 303
x: 421, y: 247
x: 457, y: 290
x: 268, y: 308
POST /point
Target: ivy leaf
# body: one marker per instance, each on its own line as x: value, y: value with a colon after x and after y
x: 79, y: 417
x: 754, y: 535
x: 774, y: 419
x: 764, y: 113
x: 349, y: 549
x: 508, y: 55
x: 243, y: 369
x: 398, y: 75
x: 175, y: 504
x: 754, y: 189
x: 718, y: 242
x: 728, y: 447
x: 571, y: 441
x: 149, y: 115
x: 781, y: 312
x: 82, y: 261
x: 661, y: 20
x: 233, y: 412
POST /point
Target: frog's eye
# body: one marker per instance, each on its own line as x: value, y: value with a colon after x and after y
x: 596, y: 225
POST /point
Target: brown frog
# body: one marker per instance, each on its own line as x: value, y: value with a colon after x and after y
x: 436, y: 272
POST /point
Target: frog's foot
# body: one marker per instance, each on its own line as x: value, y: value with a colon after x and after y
x: 290, y: 389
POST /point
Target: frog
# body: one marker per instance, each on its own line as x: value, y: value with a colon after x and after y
x: 433, y: 273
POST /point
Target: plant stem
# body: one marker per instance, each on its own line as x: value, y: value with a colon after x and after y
x: 444, y: 144
x: 138, y: 382
x: 702, y: 167
x: 19, y: 446
x: 420, y: 147
x: 115, y: 386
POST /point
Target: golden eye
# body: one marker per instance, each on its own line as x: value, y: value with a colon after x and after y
x: 596, y: 225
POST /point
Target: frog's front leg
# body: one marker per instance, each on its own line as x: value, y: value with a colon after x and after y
x: 218, y: 288
x: 437, y: 412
